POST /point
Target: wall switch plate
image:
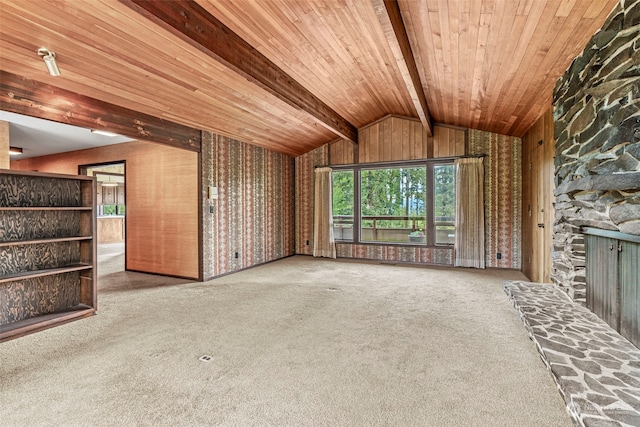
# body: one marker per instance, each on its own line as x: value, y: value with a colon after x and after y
x: 212, y: 193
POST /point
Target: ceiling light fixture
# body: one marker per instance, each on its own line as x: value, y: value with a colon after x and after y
x: 49, y: 58
x: 109, y: 183
x: 14, y: 151
x: 103, y: 132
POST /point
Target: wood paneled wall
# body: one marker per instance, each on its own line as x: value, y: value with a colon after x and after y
x: 394, y: 138
x: 5, y: 143
x: 448, y: 141
x: 162, y: 201
x: 537, y: 199
x: 343, y: 152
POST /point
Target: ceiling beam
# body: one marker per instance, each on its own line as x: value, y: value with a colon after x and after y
x: 196, y: 26
x: 31, y: 98
x: 390, y: 18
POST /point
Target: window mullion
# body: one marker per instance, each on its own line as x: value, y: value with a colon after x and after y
x: 356, y: 205
x: 430, y: 200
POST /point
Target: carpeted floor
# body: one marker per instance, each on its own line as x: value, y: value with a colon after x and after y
x: 298, y: 342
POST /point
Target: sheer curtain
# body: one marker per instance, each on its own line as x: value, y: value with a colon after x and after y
x: 323, y: 241
x: 469, y: 240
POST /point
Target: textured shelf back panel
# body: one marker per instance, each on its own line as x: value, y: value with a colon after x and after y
x: 31, y: 225
x: 15, y: 259
x: 17, y: 191
x: 24, y: 299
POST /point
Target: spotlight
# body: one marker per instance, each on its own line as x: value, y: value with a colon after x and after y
x: 103, y: 132
x: 14, y: 151
x: 49, y: 58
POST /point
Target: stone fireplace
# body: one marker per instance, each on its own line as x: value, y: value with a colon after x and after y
x: 596, y: 111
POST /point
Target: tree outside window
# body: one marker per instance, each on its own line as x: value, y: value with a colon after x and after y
x: 444, y: 203
x: 343, y: 204
x: 413, y: 204
x: 393, y: 204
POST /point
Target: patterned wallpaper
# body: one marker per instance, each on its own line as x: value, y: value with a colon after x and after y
x: 305, y: 166
x: 503, y: 196
x: 389, y: 253
x: 254, y: 213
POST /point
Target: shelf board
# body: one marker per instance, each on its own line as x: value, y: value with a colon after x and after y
x: 38, y: 323
x: 49, y: 240
x: 46, y: 208
x: 48, y: 272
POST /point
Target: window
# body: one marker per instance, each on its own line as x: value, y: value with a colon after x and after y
x: 444, y: 203
x: 343, y: 203
x: 393, y: 205
x: 410, y: 203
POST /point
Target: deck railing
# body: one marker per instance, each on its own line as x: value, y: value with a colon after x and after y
x: 392, y: 228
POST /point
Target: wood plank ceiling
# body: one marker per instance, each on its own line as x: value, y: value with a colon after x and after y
x: 484, y: 64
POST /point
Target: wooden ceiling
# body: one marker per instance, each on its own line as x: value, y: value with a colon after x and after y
x: 484, y: 64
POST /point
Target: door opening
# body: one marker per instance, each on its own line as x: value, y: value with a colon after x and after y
x: 111, y: 214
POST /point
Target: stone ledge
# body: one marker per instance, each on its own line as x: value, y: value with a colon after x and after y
x: 618, y: 181
x: 597, y: 371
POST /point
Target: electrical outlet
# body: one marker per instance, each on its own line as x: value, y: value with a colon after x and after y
x: 210, y: 209
x: 236, y: 254
x: 499, y: 255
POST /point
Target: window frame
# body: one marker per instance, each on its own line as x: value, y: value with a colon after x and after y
x: 430, y: 228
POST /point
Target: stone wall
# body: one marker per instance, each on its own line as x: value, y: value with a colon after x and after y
x: 597, y: 130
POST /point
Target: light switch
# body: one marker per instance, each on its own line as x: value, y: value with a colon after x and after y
x: 213, y: 193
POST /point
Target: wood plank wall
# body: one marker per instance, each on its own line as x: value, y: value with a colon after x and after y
x: 343, y: 152
x: 448, y: 141
x: 4, y: 145
x: 537, y: 198
x: 394, y: 138
x: 162, y: 201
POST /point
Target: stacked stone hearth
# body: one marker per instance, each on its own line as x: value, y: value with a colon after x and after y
x: 597, y: 130
x: 597, y: 371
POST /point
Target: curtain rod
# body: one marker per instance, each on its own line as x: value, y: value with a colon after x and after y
x: 478, y: 156
x: 395, y: 162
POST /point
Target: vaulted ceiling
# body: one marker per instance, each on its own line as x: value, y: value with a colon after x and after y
x: 483, y: 64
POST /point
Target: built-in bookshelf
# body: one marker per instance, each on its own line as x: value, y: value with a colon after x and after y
x: 47, y: 251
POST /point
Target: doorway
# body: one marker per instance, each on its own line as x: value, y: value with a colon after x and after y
x: 111, y: 214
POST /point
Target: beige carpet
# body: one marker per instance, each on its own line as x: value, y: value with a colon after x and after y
x: 298, y: 342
